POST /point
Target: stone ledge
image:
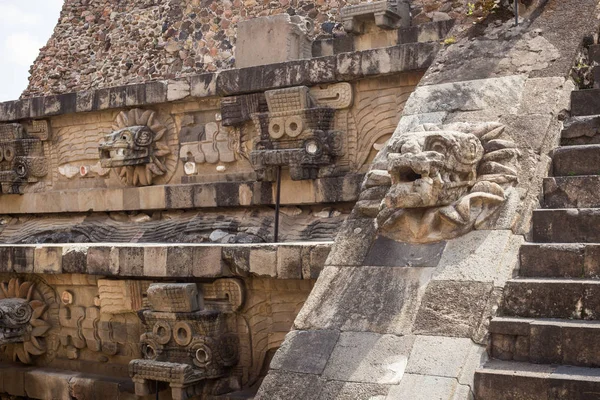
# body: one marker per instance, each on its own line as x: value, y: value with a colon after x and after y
x: 282, y: 260
x: 187, y: 196
x: 310, y: 72
x: 45, y: 383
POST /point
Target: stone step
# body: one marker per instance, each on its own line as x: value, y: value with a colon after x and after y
x: 546, y: 341
x: 576, y: 160
x: 572, y: 191
x: 505, y: 380
x: 581, y: 130
x: 552, y: 298
x: 571, y: 225
x: 585, y: 102
x: 560, y: 260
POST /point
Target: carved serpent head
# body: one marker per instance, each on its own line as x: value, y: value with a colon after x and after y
x: 128, y: 146
x: 15, y: 315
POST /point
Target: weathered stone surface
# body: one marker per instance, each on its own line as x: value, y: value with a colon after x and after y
x: 279, y: 385
x: 422, y: 387
x: 390, y: 253
x: 305, y: 351
x: 365, y: 299
x: 501, y: 94
x: 438, y: 356
x: 273, y: 39
x: 566, y: 225
x: 585, y: 102
x: 553, y: 260
x: 334, y: 390
x: 576, y: 160
x: 556, y: 298
x: 369, y: 358
x: 453, y: 309
x: 480, y: 256
x: 353, y: 242
x: 572, y: 192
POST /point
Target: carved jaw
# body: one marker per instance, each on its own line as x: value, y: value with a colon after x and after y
x: 15, y: 315
x: 127, y: 147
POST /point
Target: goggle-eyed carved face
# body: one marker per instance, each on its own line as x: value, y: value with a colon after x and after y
x: 127, y: 147
x: 15, y: 315
x: 432, y: 168
x: 7, y: 156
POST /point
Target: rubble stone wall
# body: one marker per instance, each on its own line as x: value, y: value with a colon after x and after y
x: 106, y: 43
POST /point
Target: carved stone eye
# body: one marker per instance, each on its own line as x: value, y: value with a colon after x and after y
x: 438, y: 147
x: 9, y: 154
x: 126, y: 136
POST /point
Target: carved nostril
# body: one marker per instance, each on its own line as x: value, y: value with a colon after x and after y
x: 408, y: 175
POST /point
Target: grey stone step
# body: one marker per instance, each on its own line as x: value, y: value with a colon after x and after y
x: 585, y: 102
x: 581, y: 130
x: 572, y: 191
x: 546, y: 341
x: 505, y: 380
x: 571, y: 225
x: 552, y: 298
x: 559, y: 260
x: 576, y: 160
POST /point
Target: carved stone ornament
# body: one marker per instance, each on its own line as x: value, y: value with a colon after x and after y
x: 185, y: 344
x: 388, y: 14
x: 23, y: 321
x: 297, y: 133
x: 139, y: 149
x: 22, y: 158
x: 446, y: 181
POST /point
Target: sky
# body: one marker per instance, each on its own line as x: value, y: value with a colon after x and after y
x: 25, y: 27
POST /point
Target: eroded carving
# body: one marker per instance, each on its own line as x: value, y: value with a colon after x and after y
x: 22, y: 158
x: 138, y: 148
x: 23, y: 323
x: 446, y: 180
x: 298, y: 133
x: 185, y: 344
x: 388, y: 14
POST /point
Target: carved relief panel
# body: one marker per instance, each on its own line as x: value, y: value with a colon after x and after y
x: 22, y: 159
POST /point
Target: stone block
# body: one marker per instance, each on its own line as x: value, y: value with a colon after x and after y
x: 541, y: 95
x: 203, y: 85
x: 366, y: 299
x: 263, y: 261
x: 23, y: 259
x: 335, y: 390
x: 453, y: 309
x: 280, y: 385
x: 273, y: 39
x: 315, y: 262
x: 480, y: 256
x: 439, y: 356
x: 180, y: 261
x: 585, y: 102
x: 178, y: 89
x: 554, y: 260
x: 135, y: 95
x: 305, y: 351
x: 156, y: 92
x: 13, y: 381
x: 353, y: 242
x: 179, y: 196
x: 289, y: 262
x: 74, y: 260
x: 207, y: 263
x: 572, y: 192
x: 47, y: 384
x: 155, y: 261
x: 503, y: 95
x: 390, y: 253
x: 131, y: 261
x: 369, y: 358
x: 99, y: 260
x: 422, y: 387
x: 6, y: 263
x: 47, y: 260
x: 237, y: 259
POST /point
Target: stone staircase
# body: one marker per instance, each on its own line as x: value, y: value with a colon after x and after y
x: 545, y: 343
